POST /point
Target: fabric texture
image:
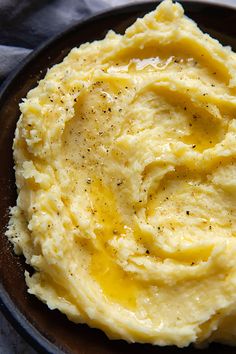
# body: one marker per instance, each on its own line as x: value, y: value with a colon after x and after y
x: 25, y: 24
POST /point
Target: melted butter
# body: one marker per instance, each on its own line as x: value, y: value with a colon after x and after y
x: 139, y: 64
x: 117, y: 285
x: 195, y: 254
x: 204, y: 133
x: 106, y: 213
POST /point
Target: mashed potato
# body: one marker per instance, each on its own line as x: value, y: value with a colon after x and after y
x: 126, y: 175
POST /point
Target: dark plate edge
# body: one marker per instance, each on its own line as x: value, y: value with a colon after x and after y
x: 20, y: 323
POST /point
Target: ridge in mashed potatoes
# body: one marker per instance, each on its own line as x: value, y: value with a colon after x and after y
x: 125, y: 169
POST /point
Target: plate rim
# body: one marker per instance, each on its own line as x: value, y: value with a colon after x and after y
x: 7, y: 307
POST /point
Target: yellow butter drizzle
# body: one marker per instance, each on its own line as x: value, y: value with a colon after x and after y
x: 117, y: 285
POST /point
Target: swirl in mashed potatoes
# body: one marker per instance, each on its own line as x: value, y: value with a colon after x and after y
x: 125, y: 167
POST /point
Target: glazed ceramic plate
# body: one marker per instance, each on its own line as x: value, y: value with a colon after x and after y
x: 50, y: 331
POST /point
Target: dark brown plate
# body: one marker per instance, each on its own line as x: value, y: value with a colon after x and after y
x: 50, y: 331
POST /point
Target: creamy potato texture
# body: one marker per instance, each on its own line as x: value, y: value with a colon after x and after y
x: 125, y: 168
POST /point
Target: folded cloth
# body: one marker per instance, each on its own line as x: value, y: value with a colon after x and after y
x: 24, y: 24
x: 9, y: 57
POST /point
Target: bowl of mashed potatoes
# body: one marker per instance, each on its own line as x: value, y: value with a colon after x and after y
x: 125, y: 167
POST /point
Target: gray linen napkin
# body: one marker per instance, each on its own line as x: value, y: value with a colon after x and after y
x: 25, y: 24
